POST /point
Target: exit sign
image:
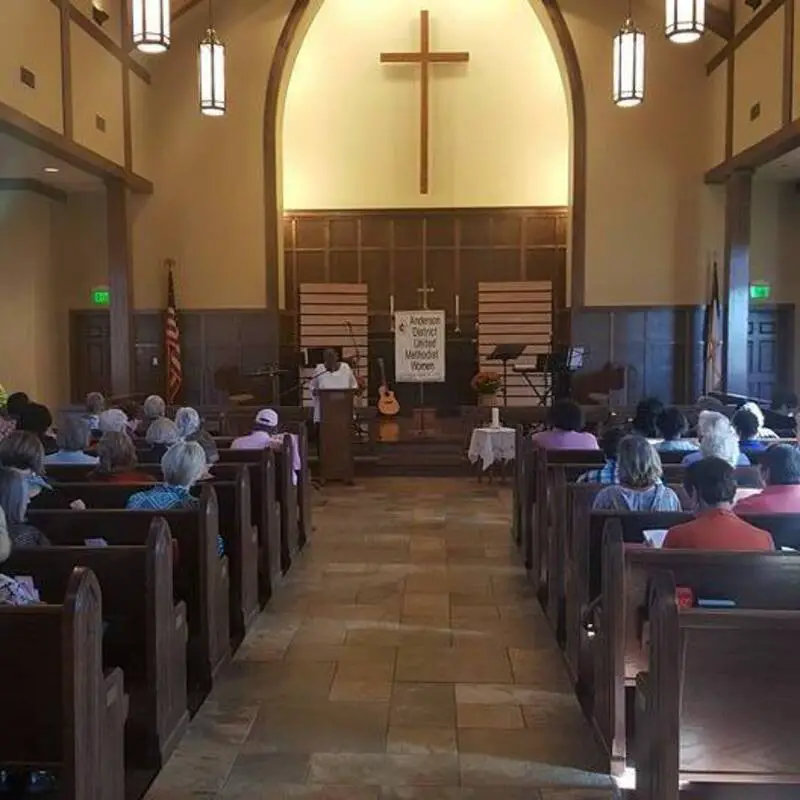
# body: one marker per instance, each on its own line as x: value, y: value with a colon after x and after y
x: 101, y: 297
x: 760, y: 291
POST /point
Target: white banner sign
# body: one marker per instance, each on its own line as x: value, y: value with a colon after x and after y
x: 419, y: 346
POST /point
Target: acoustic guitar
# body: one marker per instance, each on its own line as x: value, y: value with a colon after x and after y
x: 387, y: 402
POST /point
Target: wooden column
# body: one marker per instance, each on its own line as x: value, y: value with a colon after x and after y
x: 120, y: 283
x: 736, y: 291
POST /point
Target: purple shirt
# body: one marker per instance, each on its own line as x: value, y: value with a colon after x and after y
x: 565, y: 440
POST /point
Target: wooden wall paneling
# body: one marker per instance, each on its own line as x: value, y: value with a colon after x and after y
x: 440, y: 276
x: 343, y: 266
x: 90, y: 353
x: 325, y: 311
x: 149, y: 362
x: 408, y: 278
x: 515, y: 313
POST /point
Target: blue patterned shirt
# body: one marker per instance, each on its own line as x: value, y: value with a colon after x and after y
x: 163, y: 497
x: 608, y: 473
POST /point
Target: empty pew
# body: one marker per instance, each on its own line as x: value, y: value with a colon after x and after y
x: 200, y: 576
x: 720, y: 701
x: 235, y: 522
x: 61, y: 713
x: 146, y: 630
x: 751, y: 580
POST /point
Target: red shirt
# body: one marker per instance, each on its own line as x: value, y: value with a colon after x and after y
x: 772, y: 500
x: 132, y: 476
x: 718, y: 529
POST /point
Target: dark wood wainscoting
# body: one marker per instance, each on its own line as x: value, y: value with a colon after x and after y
x: 210, y: 339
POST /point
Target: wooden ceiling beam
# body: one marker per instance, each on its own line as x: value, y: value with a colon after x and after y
x: 185, y: 8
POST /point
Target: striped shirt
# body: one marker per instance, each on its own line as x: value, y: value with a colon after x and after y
x: 608, y: 473
x: 15, y: 593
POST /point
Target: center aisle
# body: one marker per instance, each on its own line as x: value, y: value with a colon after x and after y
x: 404, y: 659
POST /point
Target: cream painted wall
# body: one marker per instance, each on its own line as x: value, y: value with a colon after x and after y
x: 758, y: 78
x: 499, y: 125
x: 33, y: 318
x: 645, y: 166
x: 141, y: 122
x: 33, y: 41
x: 113, y: 25
x: 716, y: 116
x: 97, y: 90
x: 743, y: 13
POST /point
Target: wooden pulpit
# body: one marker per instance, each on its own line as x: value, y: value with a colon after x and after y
x: 336, y: 435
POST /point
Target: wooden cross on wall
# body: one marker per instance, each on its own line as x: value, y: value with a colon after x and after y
x: 424, y: 58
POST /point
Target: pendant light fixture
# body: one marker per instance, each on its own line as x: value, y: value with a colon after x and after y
x: 212, y: 70
x: 685, y: 20
x: 150, y: 22
x: 628, y: 89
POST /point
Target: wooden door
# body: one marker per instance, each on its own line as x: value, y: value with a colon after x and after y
x: 90, y: 348
x: 769, y: 350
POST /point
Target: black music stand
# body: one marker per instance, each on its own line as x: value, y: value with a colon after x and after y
x: 506, y: 353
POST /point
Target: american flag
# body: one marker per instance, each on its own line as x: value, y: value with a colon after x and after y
x: 712, y: 336
x: 172, y: 336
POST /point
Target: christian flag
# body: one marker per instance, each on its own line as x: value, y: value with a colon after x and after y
x: 712, y: 337
x: 172, y: 337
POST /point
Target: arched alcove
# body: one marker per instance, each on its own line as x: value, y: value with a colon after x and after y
x: 368, y: 192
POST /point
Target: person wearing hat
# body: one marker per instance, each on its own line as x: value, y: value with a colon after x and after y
x: 264, y: 428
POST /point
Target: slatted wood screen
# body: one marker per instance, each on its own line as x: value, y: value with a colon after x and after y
x: 325, y: 310
x: 515, y: 312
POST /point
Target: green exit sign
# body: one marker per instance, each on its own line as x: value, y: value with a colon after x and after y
x: 759, y: 291
x: 101, y: 297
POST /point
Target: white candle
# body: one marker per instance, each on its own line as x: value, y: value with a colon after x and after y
x: 495, y: 417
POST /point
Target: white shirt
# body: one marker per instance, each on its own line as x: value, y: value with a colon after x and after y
x: 343, y: 378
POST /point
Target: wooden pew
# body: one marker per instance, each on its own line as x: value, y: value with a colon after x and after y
x: 61, y: 713
x: 522, y: 487
x: 752, y: 580
x: 200, y: 577
x: 720, y: 700
x: 146, y: 631
x: 235, y: 524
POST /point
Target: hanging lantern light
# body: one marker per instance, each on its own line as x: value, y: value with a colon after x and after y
x: 686, y: 20
x: 212, y: 71
x: 628, y: 87
x: 150, y: 22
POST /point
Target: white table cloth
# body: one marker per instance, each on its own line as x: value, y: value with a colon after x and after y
x: 490, y: 445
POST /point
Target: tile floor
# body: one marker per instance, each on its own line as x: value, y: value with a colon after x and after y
x: 404, y: 658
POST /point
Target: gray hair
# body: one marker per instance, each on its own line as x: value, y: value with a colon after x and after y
x: 13, y: 495
x: 638, y: 462
x: 73, y: 433
x: 162, y: 431
x: 183, y: 464
x: 755, y: 410
x: 718, y: 438
x: 187, y: 421
x: 95, y: 402
x: 115, y: 419
x: 154, y: 407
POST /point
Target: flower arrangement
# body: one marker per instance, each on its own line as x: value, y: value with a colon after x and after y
x: 487, y: 382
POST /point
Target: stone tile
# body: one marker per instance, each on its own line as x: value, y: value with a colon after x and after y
x: 488, y: 716
x: 488, y: 694
x: 265, y: 768
x: 426, y: 603
x: 453, y: 665
x: 416, y: 705
x: 380, y: 671
x: 579, y: 794
x: 543, y: 667
x: 223, y: 723
x: 363, y: 691
x: 298, y: 791
x: 274, y: 681
x: 196, y: 767
x: 421, y: 741
x: 385, y: 770
x: 456, y: 793
x: 488, y: 770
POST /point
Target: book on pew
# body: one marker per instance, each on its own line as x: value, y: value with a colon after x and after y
x: 655, y: 538
x: 97, y: 542
x: 27, y: 581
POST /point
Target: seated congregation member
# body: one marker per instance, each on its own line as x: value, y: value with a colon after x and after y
x: 95, y: 406
x: 37, y: 419
x: 161, y: 435
x: 73, y: 438
x: 718, y: 439
x: 12, y: 591
x: 644, y: 421
x: 640, y: 487
x: 673, y: 426
x: 24, y: 451
x: 14, y: 500
x: 183, y: 465
x: 153, y: 408
x: 566, y: 423
x: 190, y: 429
x: 9, y: 418
x: 113, y: 419
x: 117, y: 461
x: 609, y: 472
x: 763, y: 431
x: 780, y: 467
x: 264, y: 428
x: 745, y: 423
x: 711, y: 484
